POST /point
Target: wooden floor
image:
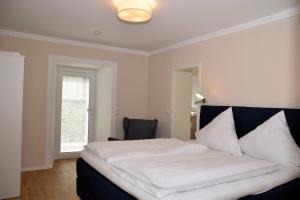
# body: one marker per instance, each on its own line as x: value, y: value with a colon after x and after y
x: 52, y: 184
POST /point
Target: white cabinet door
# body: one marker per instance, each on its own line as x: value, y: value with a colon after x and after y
x: 11, y: 99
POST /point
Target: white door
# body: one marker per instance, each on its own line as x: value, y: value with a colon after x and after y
x: 74, y: 110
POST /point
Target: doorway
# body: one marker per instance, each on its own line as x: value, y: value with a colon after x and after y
x: 184, y: 118
x: 102, y: 115
x: 75, y: 105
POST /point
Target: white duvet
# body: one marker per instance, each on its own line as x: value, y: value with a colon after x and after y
x: 113, y: 151
x: 164, y: 176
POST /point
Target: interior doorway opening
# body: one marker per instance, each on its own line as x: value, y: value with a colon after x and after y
x: 184, y: 111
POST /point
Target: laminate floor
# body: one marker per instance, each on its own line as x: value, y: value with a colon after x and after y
x: 58, y: 183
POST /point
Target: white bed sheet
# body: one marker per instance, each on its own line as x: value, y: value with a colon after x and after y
x: 230, y: 190
x: 162, y: 176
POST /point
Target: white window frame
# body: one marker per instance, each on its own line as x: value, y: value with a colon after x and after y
x: 76, y: 72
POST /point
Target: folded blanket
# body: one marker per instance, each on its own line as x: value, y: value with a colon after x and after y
x: 113, y: 151
x: 162, y: 176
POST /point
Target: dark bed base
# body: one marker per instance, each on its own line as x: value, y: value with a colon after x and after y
x: 91, y: 185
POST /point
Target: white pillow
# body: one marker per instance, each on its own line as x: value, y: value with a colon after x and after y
x: 220, y: 134
x: 272, y: 141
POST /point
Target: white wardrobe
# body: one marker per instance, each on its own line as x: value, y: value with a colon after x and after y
x: 11, y: 100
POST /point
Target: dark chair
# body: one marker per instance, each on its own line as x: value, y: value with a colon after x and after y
x: 137, y: 129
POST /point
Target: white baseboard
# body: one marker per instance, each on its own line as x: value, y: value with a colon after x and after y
x: 64, y: 157
x: 35, y: 168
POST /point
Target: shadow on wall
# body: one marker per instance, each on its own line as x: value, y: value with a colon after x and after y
x: 297, y: 60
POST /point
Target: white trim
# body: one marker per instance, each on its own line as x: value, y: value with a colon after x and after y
x: 200, y: 79
x: 251, y: 24
x: 71, y: 42
x: 35, y: 168
x: 53, y: 62
x: 9, y: 53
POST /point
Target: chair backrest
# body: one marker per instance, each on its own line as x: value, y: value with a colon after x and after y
x: 137, y: 129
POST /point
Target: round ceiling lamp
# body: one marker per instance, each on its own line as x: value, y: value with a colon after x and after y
x: 135, y: 11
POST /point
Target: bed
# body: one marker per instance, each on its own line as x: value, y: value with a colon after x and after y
x: 93, y: 185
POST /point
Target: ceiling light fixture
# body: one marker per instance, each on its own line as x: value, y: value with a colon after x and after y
x: 135, y: 11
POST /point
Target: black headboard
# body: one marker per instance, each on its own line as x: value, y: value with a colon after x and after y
x: 248, y: 118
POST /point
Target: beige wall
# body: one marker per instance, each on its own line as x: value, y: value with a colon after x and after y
x: 132, y: 88
x: 255, y: 67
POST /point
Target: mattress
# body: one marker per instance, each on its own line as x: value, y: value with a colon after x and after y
x: 230, y: 190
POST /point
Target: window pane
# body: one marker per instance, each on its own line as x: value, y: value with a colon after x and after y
x: 74, y: 113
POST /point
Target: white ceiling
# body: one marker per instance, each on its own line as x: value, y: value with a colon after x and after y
x: 173, y: 20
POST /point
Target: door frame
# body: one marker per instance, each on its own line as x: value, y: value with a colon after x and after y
x: 54, y: 61
x: 199, y: 66
x: 76, y: 72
